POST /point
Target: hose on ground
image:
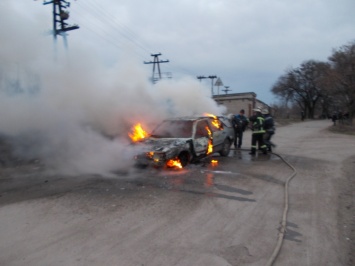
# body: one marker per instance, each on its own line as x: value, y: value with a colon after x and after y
x: 284, y: 216
x: 282, y: 231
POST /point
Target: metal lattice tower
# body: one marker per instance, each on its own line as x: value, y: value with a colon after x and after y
x: 60, y: 15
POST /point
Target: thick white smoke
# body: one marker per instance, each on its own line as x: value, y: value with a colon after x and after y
x: 64, y: 108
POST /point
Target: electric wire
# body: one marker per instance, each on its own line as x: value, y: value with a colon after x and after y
x: 104, y: 19
x: 96, y: 26
x: 111, y: 19
x: 112, y: 28
x: 107, y: 27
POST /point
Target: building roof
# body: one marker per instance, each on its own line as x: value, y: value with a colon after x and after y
x: 235, y: 95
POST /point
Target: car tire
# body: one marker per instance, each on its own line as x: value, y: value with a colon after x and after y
x: 184, y: 158
x: 226, y: 148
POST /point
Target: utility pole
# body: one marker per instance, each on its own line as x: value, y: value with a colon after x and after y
x: 226, y: 89
x: 212, y: 78
x: 60, y: 15
x: 156, y: 62
x: 201, y: 77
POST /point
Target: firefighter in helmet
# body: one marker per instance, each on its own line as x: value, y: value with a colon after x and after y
x: 257, y: 126
x: 269, y: 127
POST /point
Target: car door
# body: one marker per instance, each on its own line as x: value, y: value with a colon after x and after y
x: 218, y: 133
x: 201, y: 137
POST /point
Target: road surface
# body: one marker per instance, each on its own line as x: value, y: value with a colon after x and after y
x: 227, y: 214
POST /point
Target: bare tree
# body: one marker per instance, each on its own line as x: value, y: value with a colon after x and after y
x: 303, y: 85
x: 342, y: 78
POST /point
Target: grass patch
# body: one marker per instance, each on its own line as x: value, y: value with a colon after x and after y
x: 343, y: 129
x: 286, y: 121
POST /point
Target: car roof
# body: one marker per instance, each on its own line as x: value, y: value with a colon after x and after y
x: 188, y: 118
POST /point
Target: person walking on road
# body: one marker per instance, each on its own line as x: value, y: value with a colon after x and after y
x: 269, y: 127
x: 240, y: 122
x: 257, y: 123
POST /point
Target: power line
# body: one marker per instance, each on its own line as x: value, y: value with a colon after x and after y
x: 103, y: 21
x: 110, y: 20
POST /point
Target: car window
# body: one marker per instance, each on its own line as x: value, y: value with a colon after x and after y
x: 201, y: 129
x: 225, y: 121
x: 173, y: 129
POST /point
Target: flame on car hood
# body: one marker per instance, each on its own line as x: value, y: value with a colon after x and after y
x: 137, y: 133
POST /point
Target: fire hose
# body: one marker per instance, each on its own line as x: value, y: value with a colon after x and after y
x: 284, y: 216
x: 282, y: 230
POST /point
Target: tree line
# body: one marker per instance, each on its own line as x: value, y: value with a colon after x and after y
x: 321, y: 88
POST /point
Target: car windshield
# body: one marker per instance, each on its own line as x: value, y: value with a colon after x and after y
x: 173, y: 129
x: 225, y: 121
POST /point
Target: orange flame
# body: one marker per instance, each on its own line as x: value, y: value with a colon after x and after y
x: 174, y: 163
x: 138, y: 133
x: 210, y: 147
x: 215, y: 121
x: 214, y: 162
x: 209, y: 132
x: 211, y: 115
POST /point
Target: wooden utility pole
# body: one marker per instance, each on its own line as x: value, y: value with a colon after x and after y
x: 212, y: 78
x: 157, y: 62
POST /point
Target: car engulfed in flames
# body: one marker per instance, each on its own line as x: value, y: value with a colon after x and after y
x: 177, y: 142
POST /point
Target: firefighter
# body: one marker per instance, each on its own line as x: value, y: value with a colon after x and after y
x: 269, y: 127
x: 240, y: 122
x: 257, y: 125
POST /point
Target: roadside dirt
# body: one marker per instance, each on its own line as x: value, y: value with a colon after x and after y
x: 346, y: 209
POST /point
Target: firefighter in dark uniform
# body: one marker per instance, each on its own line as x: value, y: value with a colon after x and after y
x: 257, y: 125
x: 269, y: 127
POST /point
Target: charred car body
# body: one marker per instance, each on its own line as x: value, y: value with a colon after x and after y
x: 184, y: 140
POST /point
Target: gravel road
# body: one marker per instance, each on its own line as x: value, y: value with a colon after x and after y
x: 203, y: 215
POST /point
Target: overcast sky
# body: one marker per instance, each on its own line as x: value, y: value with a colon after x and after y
x: 248, y: 44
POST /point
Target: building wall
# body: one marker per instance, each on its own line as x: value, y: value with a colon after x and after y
x: 234, y: 102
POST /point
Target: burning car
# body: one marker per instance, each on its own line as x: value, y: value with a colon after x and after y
x: 177, y: 142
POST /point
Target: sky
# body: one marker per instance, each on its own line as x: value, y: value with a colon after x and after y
x: 59, y: 105
x: 248, y: 44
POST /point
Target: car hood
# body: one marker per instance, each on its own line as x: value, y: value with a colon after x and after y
x: 163, y: 144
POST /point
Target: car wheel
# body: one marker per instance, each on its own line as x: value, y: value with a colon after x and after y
x: 184, y: 158
x: 226, y: 148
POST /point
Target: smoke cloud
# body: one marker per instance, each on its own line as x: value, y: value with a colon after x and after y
x: 72, y: 111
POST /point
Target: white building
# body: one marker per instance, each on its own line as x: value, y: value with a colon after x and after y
x: 234, y: 102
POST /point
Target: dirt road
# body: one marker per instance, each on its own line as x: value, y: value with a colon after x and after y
x: 204, y: 215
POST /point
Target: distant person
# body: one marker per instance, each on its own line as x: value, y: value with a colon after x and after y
x: 240, y: 123
x: 334, y: 118
x: 269, y: 127
x: 257, y: 125
x: 302, y: 116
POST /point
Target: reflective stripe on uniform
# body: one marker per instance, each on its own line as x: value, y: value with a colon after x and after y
x: 259, y: 132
